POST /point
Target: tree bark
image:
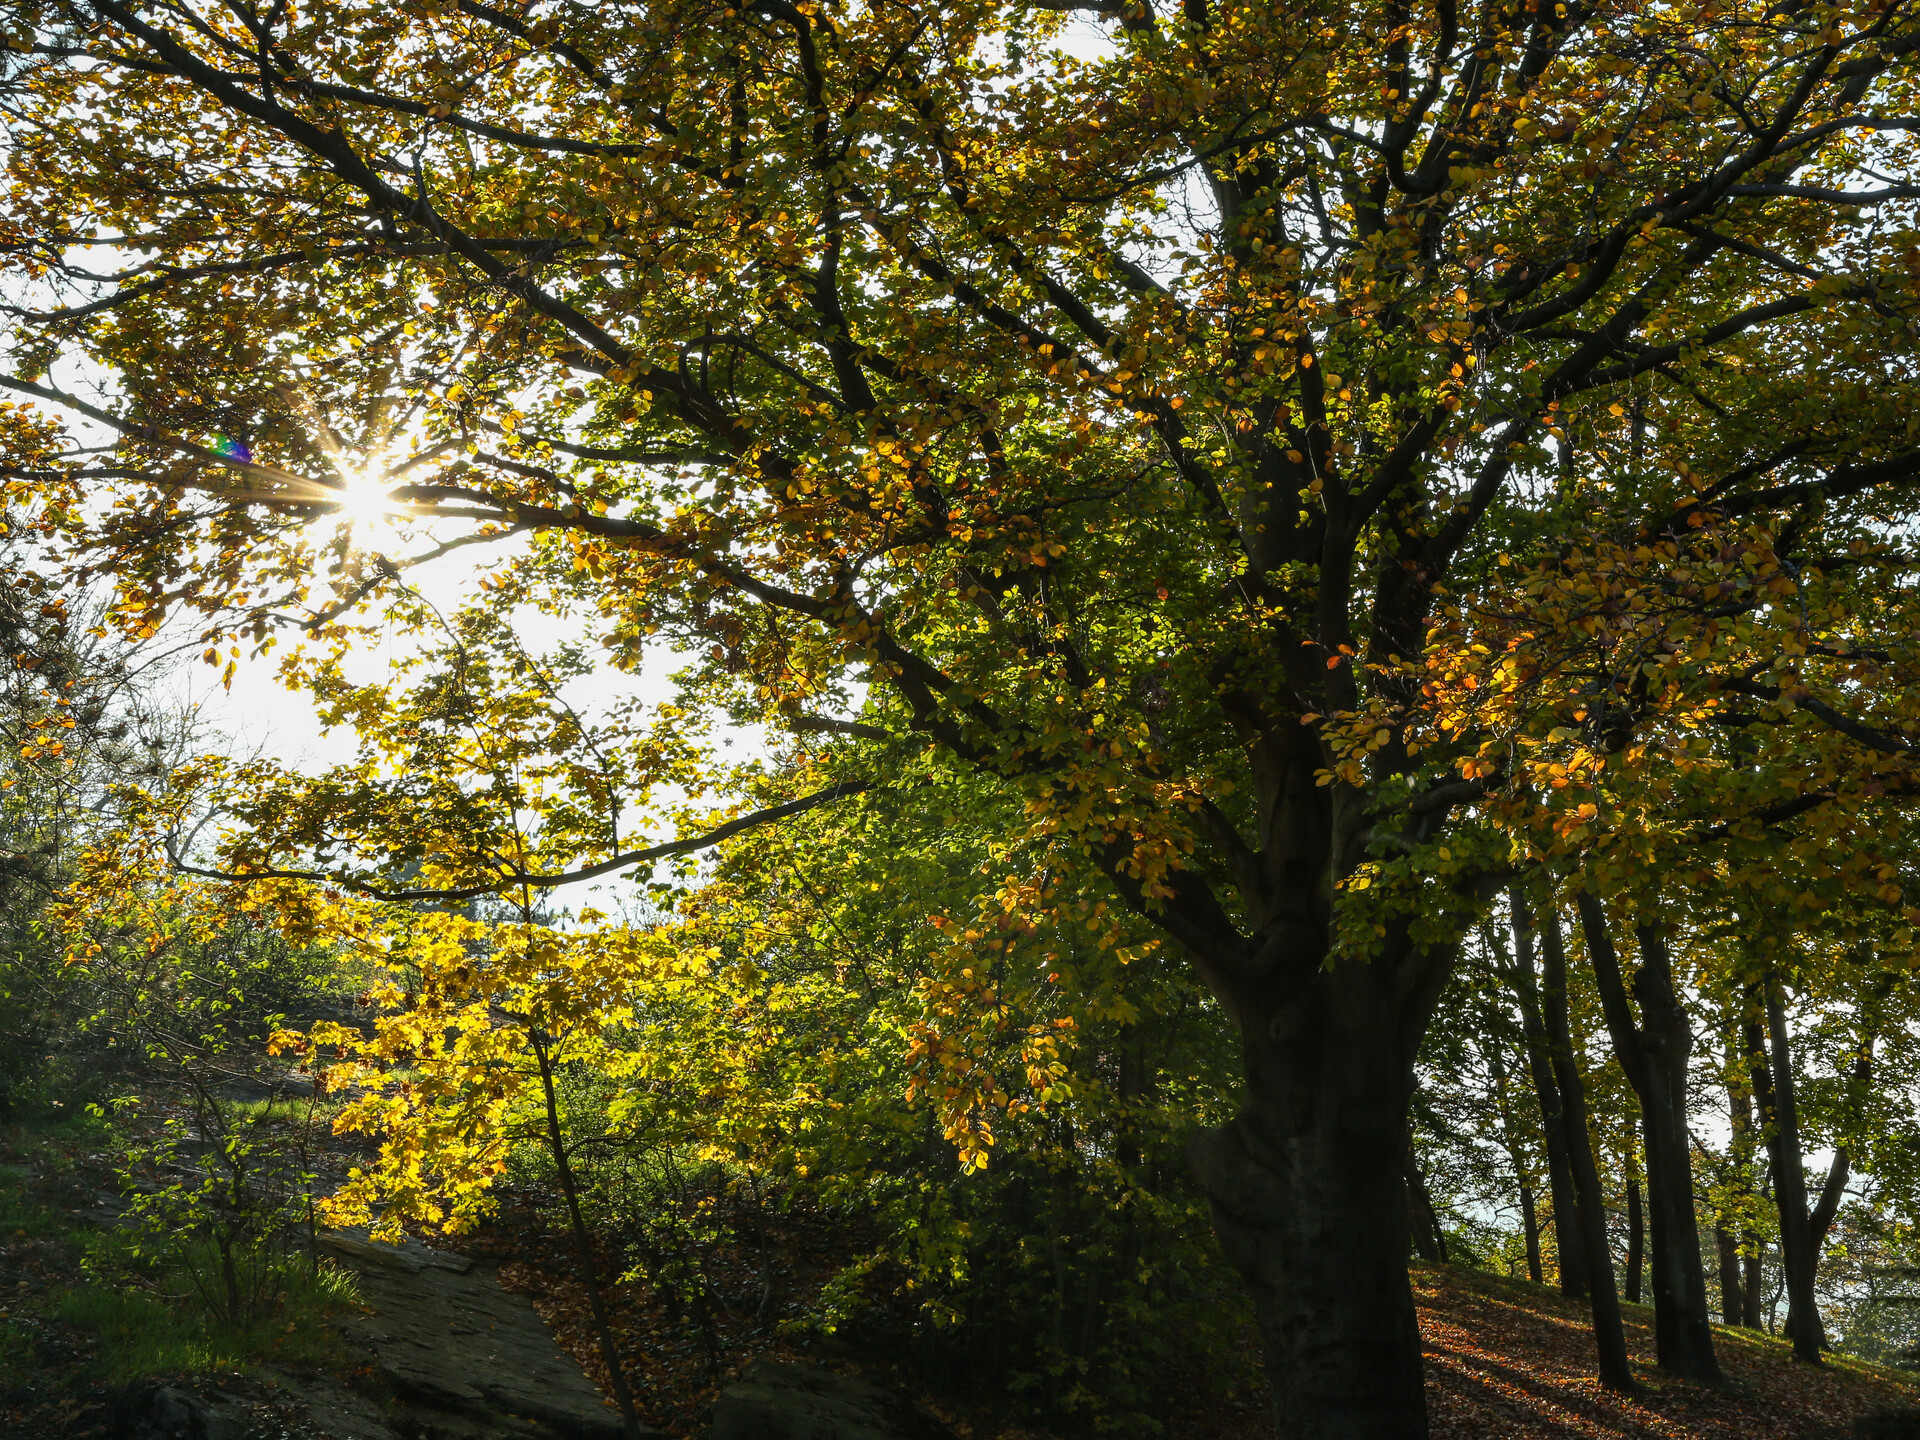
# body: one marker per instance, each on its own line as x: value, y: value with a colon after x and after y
x: 1636, y: 1235
x: 1530, y: 1228
x: 1770, y: 1058
x: 1308, y: 1190
x: 1754, y: 1254
x: 1744, y: 1287
x: 1609, y: 1339
x: 1732, y: 1297
x: 583, y: 1242
x: 1654, y: 1055
x: 1568, y: 1248
x: 1516, y: 1153
x: 1429, y: 1240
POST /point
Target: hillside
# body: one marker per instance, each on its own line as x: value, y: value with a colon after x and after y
x: 1506, y: 1360
x: 1513, y: 1360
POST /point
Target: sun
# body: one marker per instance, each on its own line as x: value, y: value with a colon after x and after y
x: 364, y: 502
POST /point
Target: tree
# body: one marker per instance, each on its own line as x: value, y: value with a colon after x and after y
x: 1123, y: 422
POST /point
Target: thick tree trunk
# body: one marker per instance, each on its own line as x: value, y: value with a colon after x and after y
x: 1770, y: 1056
x: 1566, y: 1234
x: 1654, y: 1055
x: 1609, y: 1338
x: 1309, y: 1197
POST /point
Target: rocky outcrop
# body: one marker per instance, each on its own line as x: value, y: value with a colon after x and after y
x: 774, y: 1400
x: 1888, y: 1425
x: 466, y: 1359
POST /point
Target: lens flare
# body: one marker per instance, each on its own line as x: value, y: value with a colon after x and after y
x: 365, y: 499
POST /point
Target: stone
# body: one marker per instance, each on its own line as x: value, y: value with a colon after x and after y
x: 450, y: 1342
x: 775, y: 1400
x: 199, y: 1411
x: 332, y: 1409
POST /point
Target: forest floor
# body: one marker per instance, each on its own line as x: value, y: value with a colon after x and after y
x: 1514, y: 1360
x: 1506, y: 1360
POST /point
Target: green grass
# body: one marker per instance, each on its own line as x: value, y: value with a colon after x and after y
x: 144, y: 1333
x: 16, y: 1354
x: 137, y: 1300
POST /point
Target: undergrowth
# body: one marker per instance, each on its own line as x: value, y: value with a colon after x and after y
x: 134, y: 1301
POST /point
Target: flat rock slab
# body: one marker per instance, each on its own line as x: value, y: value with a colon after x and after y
x: 1890, y: 1425
x: 774, y: 1400
x: 480, y: 1362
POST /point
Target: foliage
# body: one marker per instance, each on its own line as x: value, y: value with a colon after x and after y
x: 1274, y: 476
x: 141, y: 1301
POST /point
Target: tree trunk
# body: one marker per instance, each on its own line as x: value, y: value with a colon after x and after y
x: 1530, y: 1228
x: 1516, y: 1153
x: 1755, y: 1256
x: 1770, y: 1056
x: 583, y: 1242
x: 1732, y: 1300
x: 1636, y: 1235
x: 1744, y: 1287
x: 1566, y: 1235
x: 1654, y: 1055
x: 1429, y: 1240
x: 1609, y: 1338
x: 1309, y: 1197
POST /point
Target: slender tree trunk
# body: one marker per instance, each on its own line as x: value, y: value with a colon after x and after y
x: 1516, y: 1155
x: 1754, y: 1255
x: 1636, y: 1235
x: 1309, y: 1196
x: 1429, y: 1240
x: 1831, y: 1192
x: 1745, y: 1282
x: 1530, y: 1227
x: 583, y: 1244
x: 1610, y: 1340
x: 1732, y: 1298
x: 1770, y: 1056
x: 1654, y: 1055
x: 1568, y: 1249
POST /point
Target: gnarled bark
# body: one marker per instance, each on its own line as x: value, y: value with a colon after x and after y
x: 1309, y: 1197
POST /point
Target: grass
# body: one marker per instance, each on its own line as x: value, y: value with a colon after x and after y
x: 142, y: 1333
x: 133, y: 1298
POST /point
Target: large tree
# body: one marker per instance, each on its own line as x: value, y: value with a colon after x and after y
x: 1118, y: 393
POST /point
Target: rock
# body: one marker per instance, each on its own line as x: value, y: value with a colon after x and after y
x: 1888, y: 1425
x: 192, y: 1411
x: 774, y: 1400
x: 466, y: 1358
x: 409, y: 1256
x: 332, y: 1409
